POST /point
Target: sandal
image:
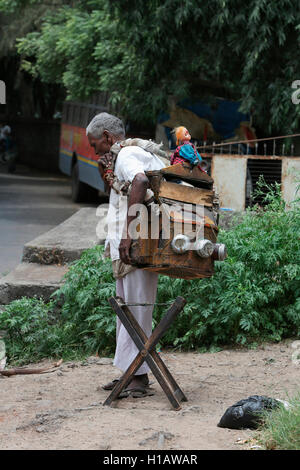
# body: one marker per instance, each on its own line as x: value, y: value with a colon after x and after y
x: 110, y: 385
x: 137, y: 392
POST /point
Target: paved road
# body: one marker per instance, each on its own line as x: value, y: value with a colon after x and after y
x: 31, y: 203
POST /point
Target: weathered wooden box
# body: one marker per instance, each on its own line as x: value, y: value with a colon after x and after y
x: 181, y: 241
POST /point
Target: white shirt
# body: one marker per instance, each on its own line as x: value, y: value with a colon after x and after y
x: 130, y: 161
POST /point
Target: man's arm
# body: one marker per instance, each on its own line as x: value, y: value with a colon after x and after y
x: 137, y: 195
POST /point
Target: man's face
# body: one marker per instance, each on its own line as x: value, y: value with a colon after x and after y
x: 102, y: 145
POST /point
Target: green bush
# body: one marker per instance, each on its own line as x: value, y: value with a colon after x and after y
x: 253, y: 296
x: 89, y: 283
x: 84, y: 325
x: 31, y: 330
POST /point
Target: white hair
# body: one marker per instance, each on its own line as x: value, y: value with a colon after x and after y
x: 105, y: 121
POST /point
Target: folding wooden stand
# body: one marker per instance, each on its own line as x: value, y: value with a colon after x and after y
x: 147, y: 352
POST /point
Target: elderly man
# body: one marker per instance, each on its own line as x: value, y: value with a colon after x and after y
x: 132, y: 284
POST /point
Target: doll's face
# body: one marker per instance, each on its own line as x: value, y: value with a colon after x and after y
x: 183, y: 134
x: 187, y: 135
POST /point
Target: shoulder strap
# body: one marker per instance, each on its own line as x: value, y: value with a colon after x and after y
x: 109, y: 160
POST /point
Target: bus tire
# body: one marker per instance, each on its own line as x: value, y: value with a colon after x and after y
x: 81, y: 192
x: 78, y: 189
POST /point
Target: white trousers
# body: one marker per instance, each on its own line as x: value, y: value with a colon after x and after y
x: 138, y: 286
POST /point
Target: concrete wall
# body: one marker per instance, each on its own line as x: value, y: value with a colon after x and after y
x: 290, y: 178
x: 37, y: 142
x: 230, y: 171
x: 229, y: 174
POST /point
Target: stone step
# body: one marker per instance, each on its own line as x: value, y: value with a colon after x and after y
x: 31, y: 279
x: 68, y: 240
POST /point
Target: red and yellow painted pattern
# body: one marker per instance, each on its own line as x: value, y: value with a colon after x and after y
x: 74, y: 139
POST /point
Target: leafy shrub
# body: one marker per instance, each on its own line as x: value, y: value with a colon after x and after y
x: 89, y: 283
x: 29, y: 334
x: 84, y: 325
x: 254, y: 295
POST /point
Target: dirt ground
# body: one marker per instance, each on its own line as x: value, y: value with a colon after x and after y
x: 63, y: 409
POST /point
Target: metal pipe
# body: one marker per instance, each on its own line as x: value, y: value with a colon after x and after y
x: 255, y: 140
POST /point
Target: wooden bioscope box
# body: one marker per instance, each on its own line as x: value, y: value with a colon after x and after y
x: 183, y: 243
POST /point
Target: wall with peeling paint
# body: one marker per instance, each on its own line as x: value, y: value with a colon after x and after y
x: 230, y: 172
x: 290, y: 179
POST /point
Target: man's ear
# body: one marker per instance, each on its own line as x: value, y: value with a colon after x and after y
x: 106, y: 135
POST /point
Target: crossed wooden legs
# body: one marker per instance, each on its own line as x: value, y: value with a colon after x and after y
x: 146, y: 347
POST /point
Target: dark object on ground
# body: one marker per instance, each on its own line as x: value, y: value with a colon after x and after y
x: 246, y: 413
x: 136, y: 393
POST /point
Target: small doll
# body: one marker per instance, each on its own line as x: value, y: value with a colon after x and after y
x: 185, y: 151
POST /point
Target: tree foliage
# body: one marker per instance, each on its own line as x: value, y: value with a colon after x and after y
x: 28, y: 97
x: 143, y: 52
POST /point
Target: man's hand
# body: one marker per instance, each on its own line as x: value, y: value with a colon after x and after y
x: 124, y: 248
x: 137, y: 196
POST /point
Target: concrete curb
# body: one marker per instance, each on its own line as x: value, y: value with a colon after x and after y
x: 46, y: 258
x: 30, y: 279
x: 64, y: 243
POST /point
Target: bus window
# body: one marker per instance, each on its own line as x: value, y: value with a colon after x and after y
x: 75, y: 120
x: 70, y: 114
x: 83, y: 116
x: 80, y: 116
x: 64, y: 113
x: 92, y: 113
x: 67, y: 116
